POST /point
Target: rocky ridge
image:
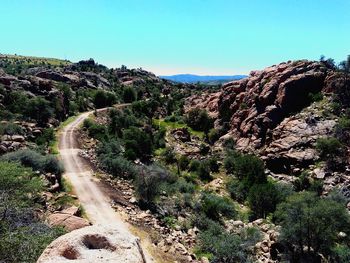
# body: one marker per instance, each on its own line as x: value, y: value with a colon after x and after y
x: 271, y: 113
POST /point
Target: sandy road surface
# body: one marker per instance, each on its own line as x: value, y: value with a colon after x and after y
x: 80, y: 174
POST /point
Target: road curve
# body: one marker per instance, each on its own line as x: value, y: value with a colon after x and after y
x: 80, y: 174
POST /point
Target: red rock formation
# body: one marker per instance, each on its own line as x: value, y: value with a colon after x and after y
x: 256, y: 105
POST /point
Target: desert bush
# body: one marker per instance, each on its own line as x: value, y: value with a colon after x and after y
x: 329, y: 147
x: 148, y: 183
x: 314, y: 97
x: 40, y: 110
x: 199, y: 120
x: 38, y: 162
x: 168, y: 155
x: 129, y: 94
x: 23, y: 237
x: 103, y: 99
x: 194, y: 165
x: 263, y: 199
x: 185, y: 187
x: 158, y: 138
x: 214, y: 206
x: 183, y: 162
x: 213, y: 164
x: 46, y: 137
x: 213, y: 136
x: 203, y: 170
x: 97, y: 131
x: 11, y: 129
x: 120, y: 167
x: 313, y: 223
x: 230, y: 161
x: 226, y: 247
x: 138, y: 143
x: 237, y: 190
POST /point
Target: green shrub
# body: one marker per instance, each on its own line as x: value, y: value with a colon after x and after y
x: 46, y: 137
x: 38, y: 162
x: 203, y: 171
x: 214, y: 206
x: 138, y: 143
x: 226, y: 247
x: 158, y: 138
x: 302, y: 182
x: 104, y: 99
x: 129, y: 94
x: 11, y: 129
x: 237, y: 190
x: 98, y: 132
x: 213, y: 136
x: 88, y: 123
x: 40, y: 110
x: 204, y: 149
x: 230, y: 160
x: 229, y: 144
x: 251, y: 168
x: 213, y: 164
x: 328, y: 147
x: 263, y: 199
x: 120, y: 167
x: 198, y: 119
x: 183, y: 162
x: 194, y: 165
x: 168, y: 155
x: 148, y: 183
x: 184, y: 186
x: 341, y: 253
x: 314, y: 97
x: 23, y: 238
x: 310, y: 225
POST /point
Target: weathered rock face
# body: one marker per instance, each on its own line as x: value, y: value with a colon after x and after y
x: 94, y: 244
x: 208, y: 101
x: 256, y: 105
x: 293, y: 141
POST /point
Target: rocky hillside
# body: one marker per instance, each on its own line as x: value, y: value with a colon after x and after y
x: 277, y: 113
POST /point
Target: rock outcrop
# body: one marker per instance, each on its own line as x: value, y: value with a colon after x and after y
x: 68, y: 219
x: 94, y: 244
x: 256, y: 105
x: 271, y: 113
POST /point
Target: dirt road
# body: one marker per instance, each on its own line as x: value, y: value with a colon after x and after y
x: 80, y: 174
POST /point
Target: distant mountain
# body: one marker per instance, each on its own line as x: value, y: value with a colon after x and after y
x: 189, y: 78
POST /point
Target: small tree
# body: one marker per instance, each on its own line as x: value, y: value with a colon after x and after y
x: 148, y: 183
x: 311, y: 222
x: 199, y: 120
x: 129, y: 94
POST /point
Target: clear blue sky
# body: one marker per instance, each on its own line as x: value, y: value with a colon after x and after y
x: 178, y: 36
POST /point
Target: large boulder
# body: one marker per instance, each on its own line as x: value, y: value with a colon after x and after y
x: 94, y: 244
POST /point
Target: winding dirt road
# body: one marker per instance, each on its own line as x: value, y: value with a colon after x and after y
x: 80, y: 174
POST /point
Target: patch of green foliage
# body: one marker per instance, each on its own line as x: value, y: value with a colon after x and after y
x: 313, y: 223
x: 22, y: 237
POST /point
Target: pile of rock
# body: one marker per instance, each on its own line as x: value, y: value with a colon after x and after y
x: 29, y: 131
x: 266, y: 251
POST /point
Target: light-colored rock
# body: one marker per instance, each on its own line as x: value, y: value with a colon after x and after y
x: 70, y: 222
x: 94, y: 244
x: 73, y: 210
